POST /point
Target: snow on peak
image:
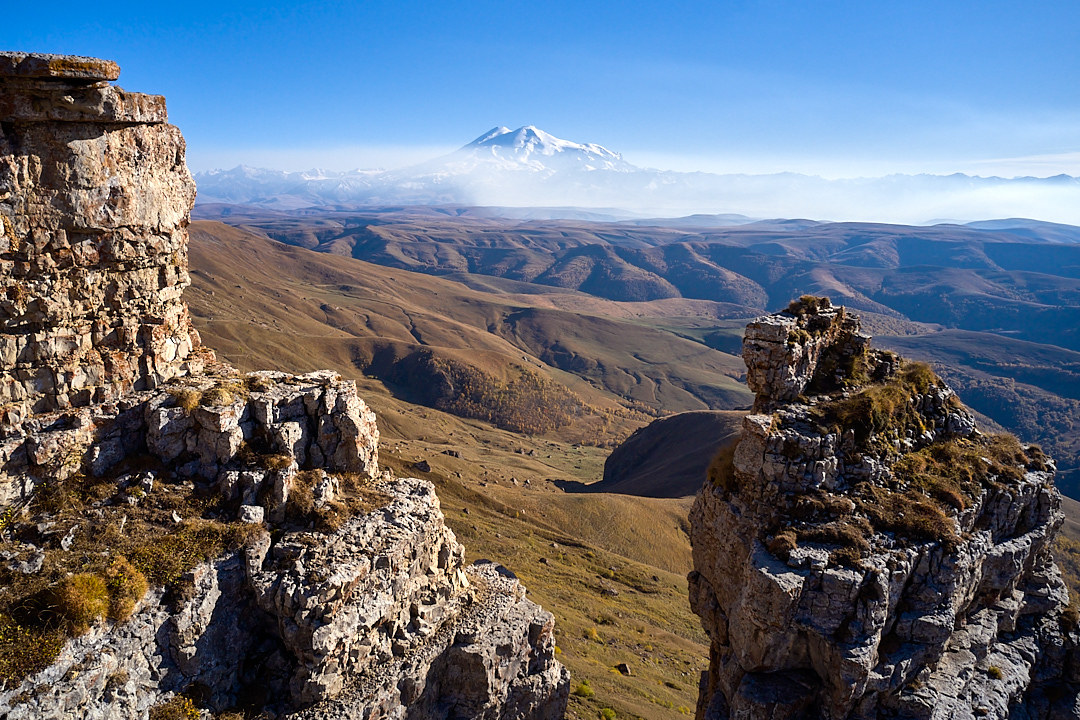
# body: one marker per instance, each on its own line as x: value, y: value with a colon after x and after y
x: 529, y: 147
x: 492, y: 133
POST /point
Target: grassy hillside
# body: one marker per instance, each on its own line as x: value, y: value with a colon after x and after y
x: 611, y: 567
x: 997, y: 304
x: 609, y: 562
x: 670, y: 456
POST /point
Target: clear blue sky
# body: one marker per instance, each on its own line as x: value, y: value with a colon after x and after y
x: 837, y: 88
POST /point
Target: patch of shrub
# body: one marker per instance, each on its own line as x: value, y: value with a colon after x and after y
x: 995, y: 672
x: 851, y: 533
x: 162, y: 560
x: 846, y: 556
x: 583, y: 690
x: 187, y: 398
x: 216, y: 397
x: 301, y: 503
x: 907, y: 514
x: 79, y: 601
x: 126, y: 586
x: 276, y: 462
x: 1037, y: 459
x: 884, y: 406
x: 177, y: 708
x: 919, y: 376
x: 25, y: 650
x: 954, y: 471
x: 808, y: 305
x: 798, y: 336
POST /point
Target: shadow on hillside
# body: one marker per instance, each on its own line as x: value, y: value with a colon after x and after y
x: 667, y: 458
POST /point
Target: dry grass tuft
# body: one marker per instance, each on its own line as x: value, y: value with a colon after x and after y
x: 216, y: 397
x: 257, y: 383
x: 126, y: 585
x: 849, y: 533
x: 808, y: 305
x: 186, y: 398
x: 301, y: 503
x: 80, y: 601
x: 721, y: 471
x: 276, y: 462
x: 177, y: 708
x: 781, y: 544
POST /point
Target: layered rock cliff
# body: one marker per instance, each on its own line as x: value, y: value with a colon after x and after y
x: 864, y: 551
x: 175, y: 534
x: 94, y: 202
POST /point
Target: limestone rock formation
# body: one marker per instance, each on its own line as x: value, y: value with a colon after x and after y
x: 174, y: 531
x: 864, y: 551
x: 94, y: 203
x: 383, y: 609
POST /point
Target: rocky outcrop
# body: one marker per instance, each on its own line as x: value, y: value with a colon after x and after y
x: 293, y: 577
x: 94, y: 203
x: 382, y: 612
x: 205, y: 427
x: 865, y: 552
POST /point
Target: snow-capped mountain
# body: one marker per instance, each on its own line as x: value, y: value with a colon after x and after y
x: 528, y: 167
x: 531, y: 148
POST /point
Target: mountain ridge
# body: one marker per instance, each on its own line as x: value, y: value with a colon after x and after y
x: 530, y: 167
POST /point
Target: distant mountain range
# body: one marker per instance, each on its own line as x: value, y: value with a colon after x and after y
x: 528, y: 167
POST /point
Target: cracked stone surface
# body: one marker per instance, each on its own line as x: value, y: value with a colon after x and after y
x: 817, y: 607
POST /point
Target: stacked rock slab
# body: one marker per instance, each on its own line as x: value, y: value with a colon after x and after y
x: 837, y: 582
x: 361, y: 594
x: 94, y: 203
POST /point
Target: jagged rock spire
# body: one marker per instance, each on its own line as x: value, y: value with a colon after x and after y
x: 865, y: 552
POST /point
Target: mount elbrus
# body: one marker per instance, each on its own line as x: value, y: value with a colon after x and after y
x: 864, y: 551
x: 178, y: 538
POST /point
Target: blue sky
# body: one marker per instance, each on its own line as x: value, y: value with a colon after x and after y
x: 832, y: 88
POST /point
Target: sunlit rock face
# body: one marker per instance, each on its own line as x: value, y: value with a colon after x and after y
x: 94, y: 203
x: 345, y: 593
x: 864, y: 551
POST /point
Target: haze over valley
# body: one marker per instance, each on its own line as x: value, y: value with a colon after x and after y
x: 529, y: 167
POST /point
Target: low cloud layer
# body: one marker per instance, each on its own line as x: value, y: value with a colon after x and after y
x: 910, y: 199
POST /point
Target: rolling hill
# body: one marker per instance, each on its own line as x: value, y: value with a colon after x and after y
x: 597, y: 536
x: 995, y: 304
